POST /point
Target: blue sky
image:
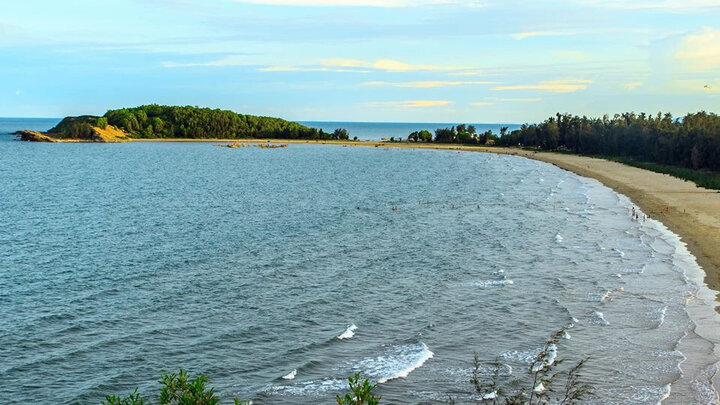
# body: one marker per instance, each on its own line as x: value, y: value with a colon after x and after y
x: 362, y: 60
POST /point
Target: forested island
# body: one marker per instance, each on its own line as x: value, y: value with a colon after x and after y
x: 181, y: 122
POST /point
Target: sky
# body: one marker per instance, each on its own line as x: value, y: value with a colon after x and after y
x: 362, y: 60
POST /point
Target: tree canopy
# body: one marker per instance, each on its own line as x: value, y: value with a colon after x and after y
x: 159, y: 121
x: 692, y: 141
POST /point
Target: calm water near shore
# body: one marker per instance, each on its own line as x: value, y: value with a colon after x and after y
x: 279, y: 272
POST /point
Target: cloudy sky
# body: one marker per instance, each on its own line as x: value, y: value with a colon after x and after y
x: 362, y: 60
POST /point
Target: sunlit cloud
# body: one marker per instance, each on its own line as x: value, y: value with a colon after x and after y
x: 230, y: 60
x: 507, y: 100
x: 428, y: 84
x: 669, y: 5
x: 553, y: 86
x: 409, y: 103
x: 309, y: 69
x: 520, y: 100
x: 530, y: 34
x: 700, y: 51
x: 633, y: 85
x: 366, y: 3
x: 387, y: 65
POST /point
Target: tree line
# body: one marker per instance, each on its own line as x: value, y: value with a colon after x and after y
x: 462, y: 133
x: 692, y: 141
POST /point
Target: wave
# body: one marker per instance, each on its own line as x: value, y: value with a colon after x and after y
x: 598, y: 318
x: 492, y: 283
x: 349, y: 332
x: 661, y: 316
x: 398, y: 362
x: 291, y: 375
x: 547, y: 360
x: 558, y: 238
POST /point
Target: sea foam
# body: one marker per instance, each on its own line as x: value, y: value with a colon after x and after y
x: 349, y: 332
x: 398, y: 362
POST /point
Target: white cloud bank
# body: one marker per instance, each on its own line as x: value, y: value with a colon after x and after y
x: 553, y: 86
x: 409, y: 103
x: 428, y: 84
x: 700, y: 51
x: 365, y: 3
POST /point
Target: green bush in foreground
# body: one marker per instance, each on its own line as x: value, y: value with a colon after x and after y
x: 360, y: 393
x: 176, y: 389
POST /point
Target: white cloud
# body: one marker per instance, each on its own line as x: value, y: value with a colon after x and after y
x: 553, y: 86
x: 669, y: 5
x: 230, y: 60
x: 428, y: 84
x: 529, y: 34
x: 633, y: 85
x: 700, y: 51
x: 387, y: 65
x: 366, y: 3
x: 409, y: 103
x: 496, y: 100
x: 520, y: 100
x: 309, y: 69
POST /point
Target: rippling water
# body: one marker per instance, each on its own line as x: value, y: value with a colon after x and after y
x: 279, y: 272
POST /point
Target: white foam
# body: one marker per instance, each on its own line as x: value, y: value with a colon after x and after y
x: 398, y: 362
x: 492, y: 283
x: 311, y: 387
x: 490, y: 395
x: 349, y: 332
x: 548, y: 360
x: 598, y: 318
x: 661, y: 316
x: 558, y: 238
x: 291, y: 375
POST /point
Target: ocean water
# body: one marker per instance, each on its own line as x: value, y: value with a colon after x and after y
x: 280, y: 272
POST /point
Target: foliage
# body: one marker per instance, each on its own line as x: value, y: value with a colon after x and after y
x: 542, y: 377
x: 75, y: 127
x: 131, y: 399
x: 341, y: 133
x: 360, y: 393
x: 176, y: 389
x: 158, y: 121
x: 692, y: 141
x: 462, y: 133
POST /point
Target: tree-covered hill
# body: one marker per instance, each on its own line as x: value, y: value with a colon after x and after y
x: 159, y: 121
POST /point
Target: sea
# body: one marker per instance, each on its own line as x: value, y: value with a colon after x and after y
x: 278, y: 273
